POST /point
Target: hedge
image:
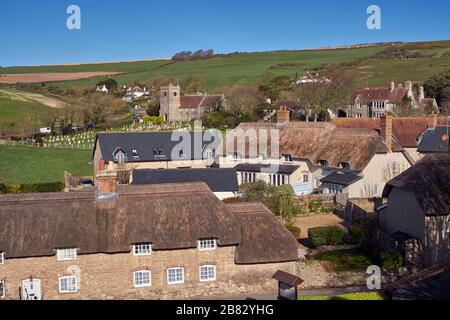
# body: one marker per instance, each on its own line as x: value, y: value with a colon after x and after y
x: 35, y: 187
x: 391, y: 259
x: 326, y: 236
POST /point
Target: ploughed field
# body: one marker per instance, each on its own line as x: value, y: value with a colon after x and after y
x: 50, y: 76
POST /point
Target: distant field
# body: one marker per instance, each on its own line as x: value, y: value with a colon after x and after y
x: 16, y: 108
x: 50, y: 76
x: 251, y: 67
x: 216, y: 72
x: 38, y: 165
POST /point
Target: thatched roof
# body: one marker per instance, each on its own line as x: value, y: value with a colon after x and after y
x: 405, y: 130
x: 263, y: 238
x: 170, y: 216
x: 315, y: 141
x: 429, y: 179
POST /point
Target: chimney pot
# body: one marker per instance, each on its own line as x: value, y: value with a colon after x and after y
x: 283, y: 115
x: 421, y: 93
x: 106, y: 182
x: 102, y: 165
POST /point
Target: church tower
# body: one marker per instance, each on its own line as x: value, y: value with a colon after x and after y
x: 170, y: 103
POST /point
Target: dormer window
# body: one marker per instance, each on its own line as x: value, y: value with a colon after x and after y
x: 2, y: 258
x: 142, y: 249
x: 287, y: 157
x: 346, y: 166
x: 66, y: 254
x: 323, y: 164
x: 207, y: 244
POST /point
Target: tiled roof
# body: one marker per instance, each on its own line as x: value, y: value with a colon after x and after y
x: 191, y: 102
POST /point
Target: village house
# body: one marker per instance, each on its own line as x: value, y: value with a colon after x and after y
x: 177, y: 107
x: 153, y: 150
x: 416, y: 218
x: 375, y: 102
x: 316, y: 156
x: 222, y: 181
x: 405, y: 130
x: 135, y: 93
x: 168, y: 241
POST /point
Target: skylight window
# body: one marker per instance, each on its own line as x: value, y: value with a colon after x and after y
x: 135, y: 153
x: 155, y: 152
x: 161, y: 152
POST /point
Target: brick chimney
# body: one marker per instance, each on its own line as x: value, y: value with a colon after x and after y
x: 392, y: 86
x: 283, y: 115
x: 106, y: 182
x: 408, y: 85
x: 386, y: 131
x: 421, y: 93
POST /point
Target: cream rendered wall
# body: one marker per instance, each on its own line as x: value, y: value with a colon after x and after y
x: 377, y: 173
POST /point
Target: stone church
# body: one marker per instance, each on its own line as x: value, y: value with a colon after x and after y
x: 177, y: 107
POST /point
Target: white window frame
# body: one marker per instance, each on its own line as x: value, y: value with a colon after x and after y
x: 68, y: 278
x: 3, y: 293
x: 136, y: 285
x: 201, y: 244
x: 208, y: 279
x: 2, y: 258
x: 140, y: 249
x: 66, y: 254
x: 177, y: 281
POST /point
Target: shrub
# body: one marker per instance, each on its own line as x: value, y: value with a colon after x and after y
x: 35, y: 187
x: 315, y: 205
x: 391, y: 259
x: 326, y: 236
x: 356, y: 232
x: 296, y: 231
x: 153, y: 119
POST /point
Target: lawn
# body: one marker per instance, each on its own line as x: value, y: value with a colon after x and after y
x: 350, y: 296
x: 345, y: 260
x: 37, y: 165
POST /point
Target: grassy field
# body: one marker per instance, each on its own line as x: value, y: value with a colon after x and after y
x: 251, y: 67
x: 38, y: 165
x: 15, y: 110
x: 350, y: 296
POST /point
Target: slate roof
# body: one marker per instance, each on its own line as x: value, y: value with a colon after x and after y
x: 218, y: 180
x: 282, y: 169
x: 429, y: 180
x: 343, y: 178
x: 435, y: 140
x: 170, y: 216
x: 146, y: 142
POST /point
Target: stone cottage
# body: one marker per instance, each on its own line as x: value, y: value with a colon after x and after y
x: 138, y: 242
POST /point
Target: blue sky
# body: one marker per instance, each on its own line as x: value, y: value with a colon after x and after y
x: 35, y: 33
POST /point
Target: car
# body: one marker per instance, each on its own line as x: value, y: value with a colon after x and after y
x: 45, y: 130
x: 77, y: 127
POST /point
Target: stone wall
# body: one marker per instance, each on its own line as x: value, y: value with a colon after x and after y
x: 110, y: 276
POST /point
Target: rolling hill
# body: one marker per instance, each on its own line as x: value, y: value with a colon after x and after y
x: 251, y: 67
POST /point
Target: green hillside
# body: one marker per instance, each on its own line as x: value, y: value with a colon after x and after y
x: 16, y: 113
x: 251, y: 67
